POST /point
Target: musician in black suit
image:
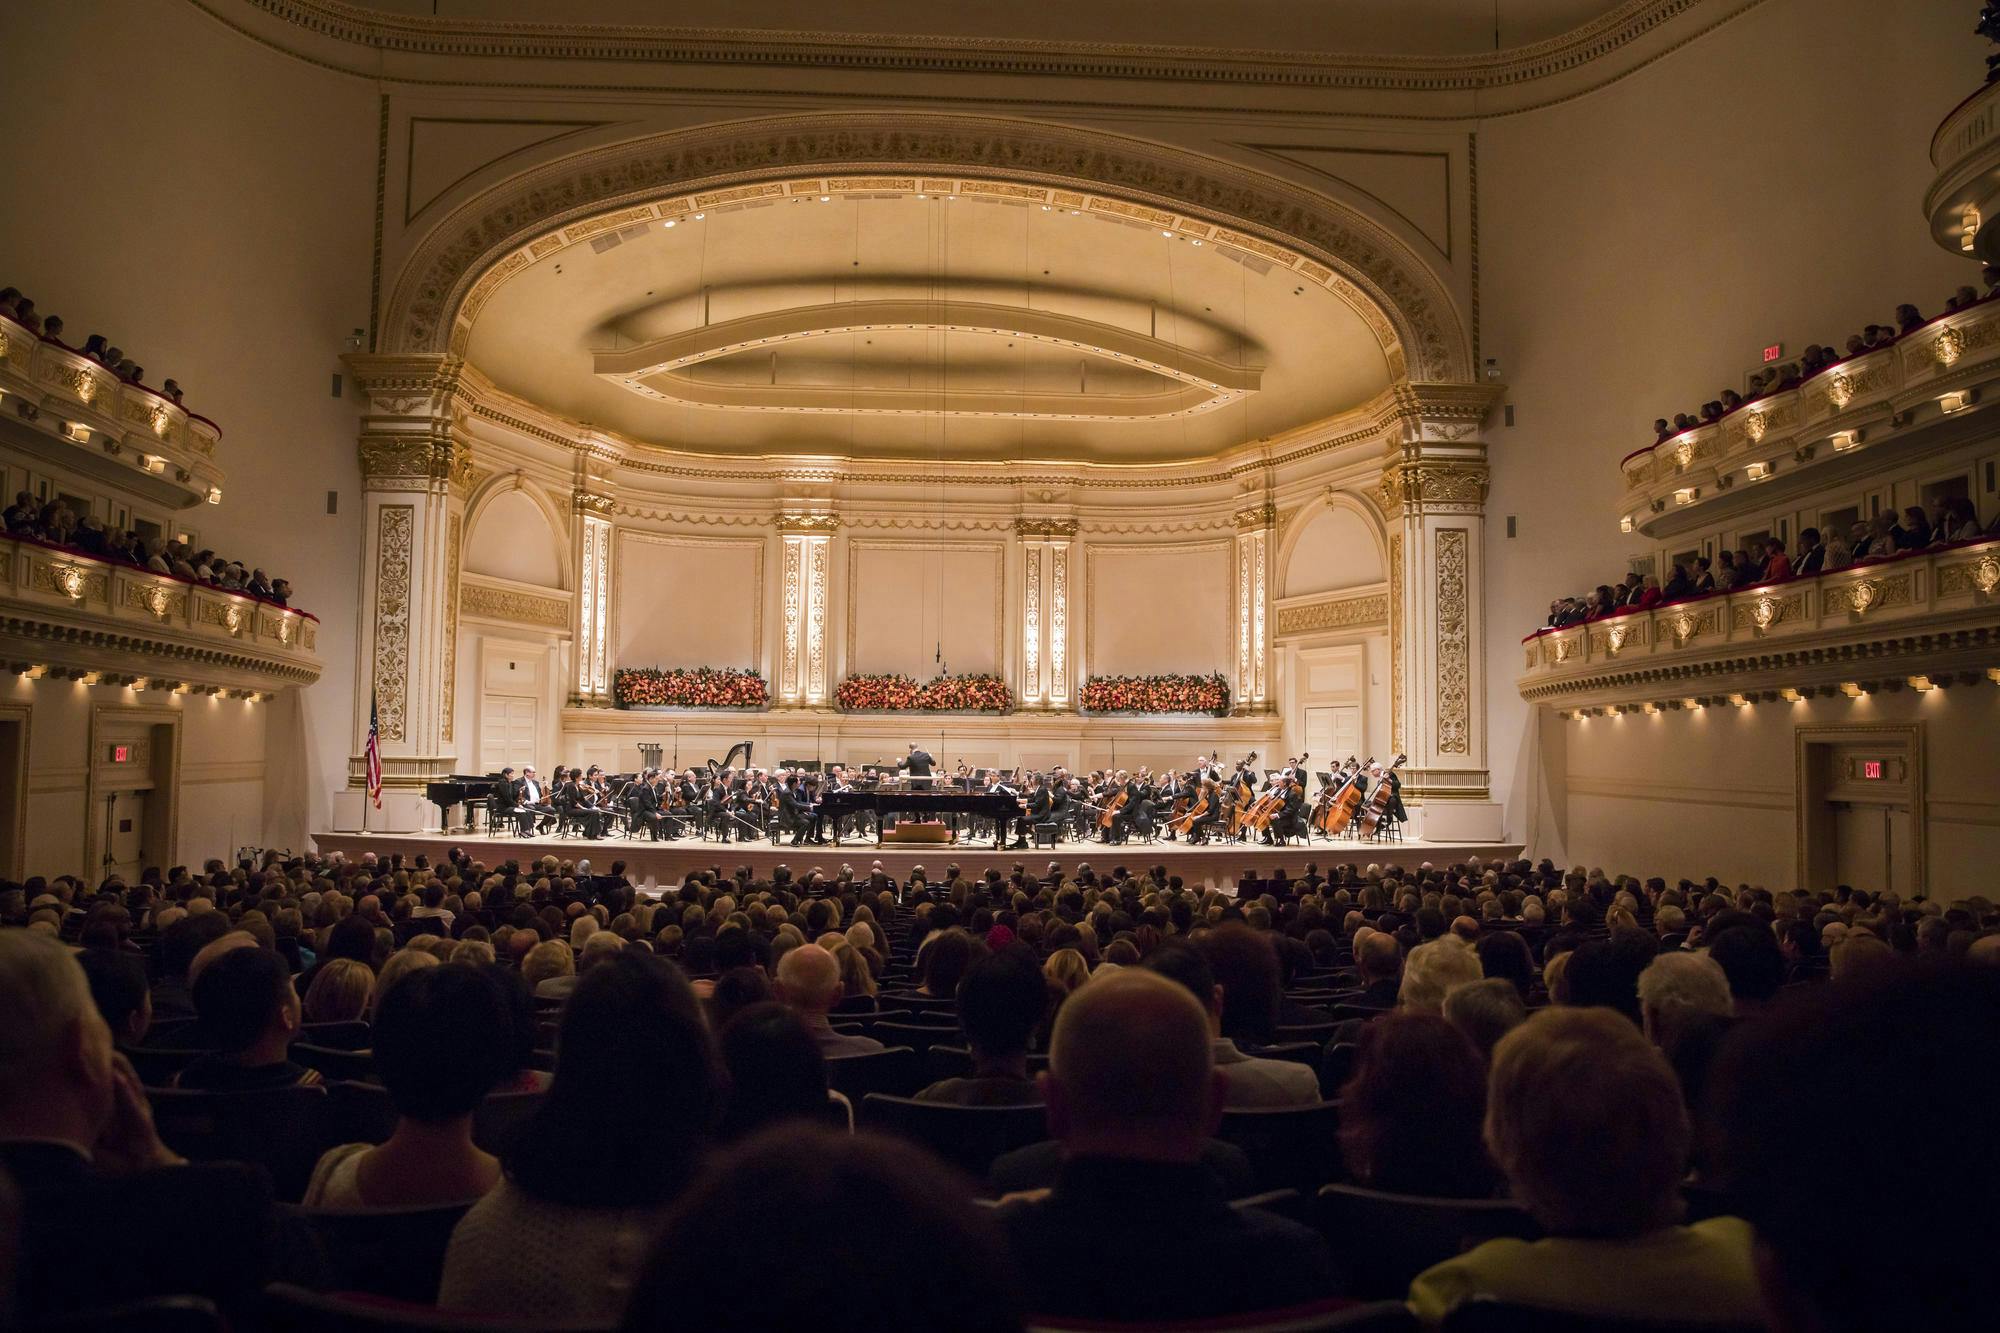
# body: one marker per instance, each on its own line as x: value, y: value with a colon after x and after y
x: 642, y: 804
x: 919, y: 765
x: 531, y: 802
x: 1040, y: 807
x: 1395, y: 810
x: 1290, y: 821
x: 998, y: 786
x: 791, y: 811
x: 1211, y: 815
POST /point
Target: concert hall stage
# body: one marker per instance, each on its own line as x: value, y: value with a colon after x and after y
x: 667, y: 863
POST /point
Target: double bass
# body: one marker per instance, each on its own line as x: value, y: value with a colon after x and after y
x: 1377, y: 809
x: 1241, y: 794
x: 1338, y: 803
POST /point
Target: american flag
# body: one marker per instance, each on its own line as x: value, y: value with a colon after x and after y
x: 374, y: 753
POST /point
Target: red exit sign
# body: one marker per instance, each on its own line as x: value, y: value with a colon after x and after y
x: 122, y: 754
x: 1871, y: 769
x: 1773, y: 352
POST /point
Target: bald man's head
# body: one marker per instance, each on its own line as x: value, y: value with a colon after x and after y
x: 809, y: 978
x: 1378, y: 954
x: 1131, y: 1070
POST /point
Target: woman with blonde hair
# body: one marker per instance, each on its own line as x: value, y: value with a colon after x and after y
x: 401, y: 963
x: 1066, y: 971
x: 340, y: 992
x: 856, y: 981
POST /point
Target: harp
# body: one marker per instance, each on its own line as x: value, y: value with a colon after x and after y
x: 740, y: 750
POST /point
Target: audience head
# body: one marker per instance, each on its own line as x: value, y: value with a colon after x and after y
x: 774, y: 1068
x: 118, y: 988
x: 1485, y: 1011
x: 1675, y: 985
x: 1905, y: 1044
x: 1131, y: 1070
x: 853, y: 1203
x: 245, y: 1000
x: 339, y: 992
x: 57, y: 1070
x: 1001, y: 1001
x: 1572, y: 1077
x: 1245, y: 965
x: 1433, y: 970
x: 1411, y: 1110
x: 809, y: 979
x: 446, y: 1036
x: 1751, y: 960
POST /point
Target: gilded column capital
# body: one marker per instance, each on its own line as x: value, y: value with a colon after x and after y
x: 415, y: 460
x: 1256, y: 516
x: 823, y: 524
x: 413, y: 384
x: 592, y: 502
x: 1456, y: 485
x: 1045, y: 527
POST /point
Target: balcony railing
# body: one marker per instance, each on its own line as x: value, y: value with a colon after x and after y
x: 80, y: 404
x: 1867, y: 402
x: 1923, y: 613
x: 63, y: 612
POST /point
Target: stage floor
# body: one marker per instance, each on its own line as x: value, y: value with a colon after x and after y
x: 658, y: 864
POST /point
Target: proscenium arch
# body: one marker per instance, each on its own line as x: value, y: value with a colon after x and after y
x: 1331, y: 500
x: 507, y: 484
x: 487, y: 237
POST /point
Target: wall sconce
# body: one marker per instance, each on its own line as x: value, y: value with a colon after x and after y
x: 1922, y: 684
x: 215, y: 495
x: 1854, y: 691
x: 76, y: 431
x: 35, y: 672
x: 1957, y: 400
x: 1692, y: 705
x: 1625, y: 523
x: 183, y: 688
x: 1685, y: 495
x: 1843, y: 440
x: 1791, y: 696
x: 1968, y: 229
x: 89, y: 677
x: 1740, y: 700
x: 1650, y: 709
x: 1758, y: 471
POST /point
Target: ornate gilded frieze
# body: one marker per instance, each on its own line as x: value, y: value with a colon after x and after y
x: 482, y: 599
x: 451, y: 555
x: 1454, y: 648
x: 1981, y: 575
x: 1333, y: 613
x: 1432, y: 486
x: 394, y: 536
x: 1869, y: 594
x: 806, y: 524
x: 1767, y: 612
x: 1045, y: 527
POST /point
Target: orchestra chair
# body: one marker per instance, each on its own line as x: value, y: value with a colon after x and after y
x: 898, y: 1071
x: 393, y: 1252
x: 1336, y: 1066
x: 335, y: 1063
x: 1337, y: 1315
x: 280, y: 1129
x: 360, y: 1112
x: 1485, y: 1315
x: 1384, y: 1240
x: 919, y: 1037
x: 157, y: 1314
x: 348, y: 1035
x: 1299, y: 1052
x: 157, y: 1066
x: 1289, y: 1147
x: 969, y: 1137
x: 288, y: 1308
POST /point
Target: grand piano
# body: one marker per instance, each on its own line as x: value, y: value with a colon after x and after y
x: 459, y: 789
x: 921, y: 803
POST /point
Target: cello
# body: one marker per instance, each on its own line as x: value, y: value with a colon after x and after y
x: 1378, y: 801
x: 1346, y: 803
x: 1242, y: 794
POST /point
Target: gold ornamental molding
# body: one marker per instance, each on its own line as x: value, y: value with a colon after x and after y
x: 1332, y: 613
x: 1602, y: 40
x: 1045, y: 527
x: 593, y: 502
x: 496, y: 234
x: 1255, y: 516
x: 825, y: 524
x: 525, y: 608
x: 1433, y: 487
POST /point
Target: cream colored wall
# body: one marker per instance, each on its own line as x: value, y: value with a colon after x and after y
x: 1165, y: 607
x: 1712, y: 792
x: 1639, y: 245
x: 208, y: 203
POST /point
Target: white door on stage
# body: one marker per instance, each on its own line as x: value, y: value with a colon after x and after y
x: 506, y: 732
x: 1331, y: 734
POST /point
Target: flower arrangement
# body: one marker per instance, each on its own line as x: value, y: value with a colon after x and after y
x: 1156, y: 694
x: 689, y: 687
x: 890, y: 692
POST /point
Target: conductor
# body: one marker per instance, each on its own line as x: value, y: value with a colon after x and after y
x: 918, y: 764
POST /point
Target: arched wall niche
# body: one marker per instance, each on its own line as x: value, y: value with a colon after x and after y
x: 499, y: 231
x: 1334, y: 544
x: 512, y: 535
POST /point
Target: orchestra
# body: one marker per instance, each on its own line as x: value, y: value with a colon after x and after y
x: 724, y: 801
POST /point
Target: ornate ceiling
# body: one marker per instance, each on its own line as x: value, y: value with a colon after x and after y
x: 919, y: 324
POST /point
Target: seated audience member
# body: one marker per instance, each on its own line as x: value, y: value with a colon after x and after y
x: 1678, y: 584
x: 1812, y: 553
x: 809, y: 981
x: 733, y: 992
x: 1410, y: 1114
x: 1380, y: 961
x: 942, y: 960
x: 1585, y: 1120
x: 1751, y: 960
x: 1704, y: 576
x: 600, y: 945
x: 562, y: 1236
x: 1676, y: 986
x: 1606, y: 972
x: 1505, y: 955
x: 444, y: 1038
x: 854, y: 1204
x: 1485, y: 1011
x: 339, y: 992
x: 118, y: 988
x: 1777, y: 565
x: 551, y: 960
x: 249, y: 1010
x: 1909, y: 1044
x: 1133, y: 1095
x: 1247, y: 1080
x: 1001, y: 1000
x: 774, y: 1071
x: 1959, y: 522
x: 1433, y: 971
x: 179, y: 943
x: 78, y: 1144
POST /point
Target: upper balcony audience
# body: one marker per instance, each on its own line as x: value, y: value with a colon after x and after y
x: 1587, y: 1046
x: 1818, y: 357
x: 49, y: 328
x: 55, y: 524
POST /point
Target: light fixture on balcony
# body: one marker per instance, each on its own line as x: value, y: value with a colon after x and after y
x: 1625, y: 523
x: 89, y: 677
x: 35, y: 672
x: 1922, y: 684
x: 1685, y: 495
x: 183, y: 688
x: 1843, y: 440
x: 1650, y: 709
x: 1757, y: 471
x: 1692, y: 704
x: 1791, y: 696
x: 1853, y: 690
x: 76, y: 431
x: 1957, y: 400
x: 1968, y: 228
x: 215, y: 495
x: 1740, y: 700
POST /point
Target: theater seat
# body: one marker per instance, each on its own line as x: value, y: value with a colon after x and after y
x: 1480, y: 1315
x: 293, y: 1309
x: 500, y: 1114
x: 970, y: 1137
x: 161, y: 1314
x: 353, y: 1035
x: 1289, y: 1147
x: 333, y: 1063
x: 919, y: 1037
x: 956, y: 1062
x: 1338, y: 1316
x: 898, y: 1071
x: 1384, y: 1240
x: 280, y: 1129
x: 395, y: 1252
